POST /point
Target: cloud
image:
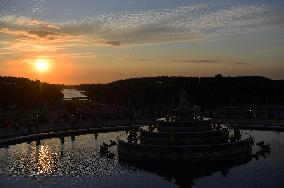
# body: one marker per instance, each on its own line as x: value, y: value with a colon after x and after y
x: 197, y: 60
x: 187, y: 23
x: 41, y: 37
x: 24, y: 23
x: 25, y: 30
x: 43, y: 34
x: 228, y: 62
x: 199, y: 21
x: 241, y: 63
x: 113, y: 43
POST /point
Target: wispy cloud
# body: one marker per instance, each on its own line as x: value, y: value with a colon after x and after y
x: 113, y: 43
x: 187, y: 23
x: 43, y: 34
x: 24, y: 23
x: 25, y: 30
x: 197, y: 60
x: 241, y: 63
x: 209, y: 61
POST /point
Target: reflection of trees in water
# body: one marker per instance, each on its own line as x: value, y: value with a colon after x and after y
x: 263, y: 150
x: 73, y: 138
x: 62, y: 147
x: 96, y: 136
x: 185, y: 175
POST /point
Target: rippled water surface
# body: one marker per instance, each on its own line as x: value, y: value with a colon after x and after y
x: 75, y: 162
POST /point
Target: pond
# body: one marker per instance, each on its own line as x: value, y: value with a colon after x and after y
x: 72, y: 93
x: 75, y: 161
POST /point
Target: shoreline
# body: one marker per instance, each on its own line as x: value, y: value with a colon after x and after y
x: 266, y: 122
x: 245, y: 124
x: 253, y: 124
x: 74, y: 132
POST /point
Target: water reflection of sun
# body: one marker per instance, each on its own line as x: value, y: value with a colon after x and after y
x: 46, y: 163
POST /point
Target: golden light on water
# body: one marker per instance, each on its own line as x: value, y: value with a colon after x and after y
x: 42, y: 65
x: 46, y: 163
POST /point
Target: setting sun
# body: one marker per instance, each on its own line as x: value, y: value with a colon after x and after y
x: 42, y: 65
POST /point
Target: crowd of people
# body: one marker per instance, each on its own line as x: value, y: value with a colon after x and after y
x: 100, y: 114
x: 66, y: 117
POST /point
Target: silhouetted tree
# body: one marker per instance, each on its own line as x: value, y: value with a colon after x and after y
x: 209, y: 92
x: 22, y: 92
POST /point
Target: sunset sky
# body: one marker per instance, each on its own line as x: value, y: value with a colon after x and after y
x: 92, y: 41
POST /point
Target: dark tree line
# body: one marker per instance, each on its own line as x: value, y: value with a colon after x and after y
x: 24, y: 92
x: 152, y: 92
x: 205, y: 91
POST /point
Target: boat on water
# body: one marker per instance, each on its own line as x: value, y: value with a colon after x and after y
x: 185, y: 137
